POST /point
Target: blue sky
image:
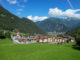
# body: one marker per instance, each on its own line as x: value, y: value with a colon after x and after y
x: 39, y: 8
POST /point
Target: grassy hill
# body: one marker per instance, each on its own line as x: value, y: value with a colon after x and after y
x: 9, y: 21
x: 9, y: 51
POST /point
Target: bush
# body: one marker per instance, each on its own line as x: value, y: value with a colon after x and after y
x: 2, y: 34
x: 2, y: 37
x: 78, y: 39
x: 7, y: 34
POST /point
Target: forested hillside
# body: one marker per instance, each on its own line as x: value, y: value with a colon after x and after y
x: 75, y: 33
x: 9, y: 21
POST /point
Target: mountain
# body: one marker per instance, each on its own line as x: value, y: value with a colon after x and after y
x: 58, y: 24
x: 71, y: 22
x: 9, y: 21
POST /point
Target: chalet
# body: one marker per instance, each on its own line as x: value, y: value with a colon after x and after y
x: 43, y: 39
x: 53, y: 40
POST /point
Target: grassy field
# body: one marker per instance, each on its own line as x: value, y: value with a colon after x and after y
x: 10, y: 51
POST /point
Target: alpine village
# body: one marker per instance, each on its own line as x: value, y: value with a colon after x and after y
x: 52, y: 38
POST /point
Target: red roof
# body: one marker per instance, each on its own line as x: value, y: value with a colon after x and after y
x: 59, y: 37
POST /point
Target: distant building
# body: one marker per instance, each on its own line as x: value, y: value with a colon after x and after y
x: 24, y: 39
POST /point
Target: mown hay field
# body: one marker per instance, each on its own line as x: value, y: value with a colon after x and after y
x: 38, y: 51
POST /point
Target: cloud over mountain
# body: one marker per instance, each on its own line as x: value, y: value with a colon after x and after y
x: 36, y: 18
x: 67, y: 13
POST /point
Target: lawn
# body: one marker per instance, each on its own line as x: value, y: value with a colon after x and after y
x: 10, y: 51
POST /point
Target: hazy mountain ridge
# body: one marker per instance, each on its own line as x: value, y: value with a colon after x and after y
x: 58, y: 24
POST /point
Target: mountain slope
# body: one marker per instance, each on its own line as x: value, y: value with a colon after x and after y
x: 75, y: 33
x: 57, y: 24
x: 8, y: 21
x: 52, y: 24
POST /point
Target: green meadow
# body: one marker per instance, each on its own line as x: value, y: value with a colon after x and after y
x: 38, y: 51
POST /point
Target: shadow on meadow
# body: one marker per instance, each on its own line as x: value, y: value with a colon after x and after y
x: 76, y: 47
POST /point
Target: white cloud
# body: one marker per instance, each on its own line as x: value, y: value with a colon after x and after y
x: 68, y: 13
x: 19, y: 9
x: 29, y: 17
x: 12, y: 1
x: 18, y: 13
x: 20, y: 5
x: 36, y: 18
x: 17, y: 3
x: 25, y: 0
